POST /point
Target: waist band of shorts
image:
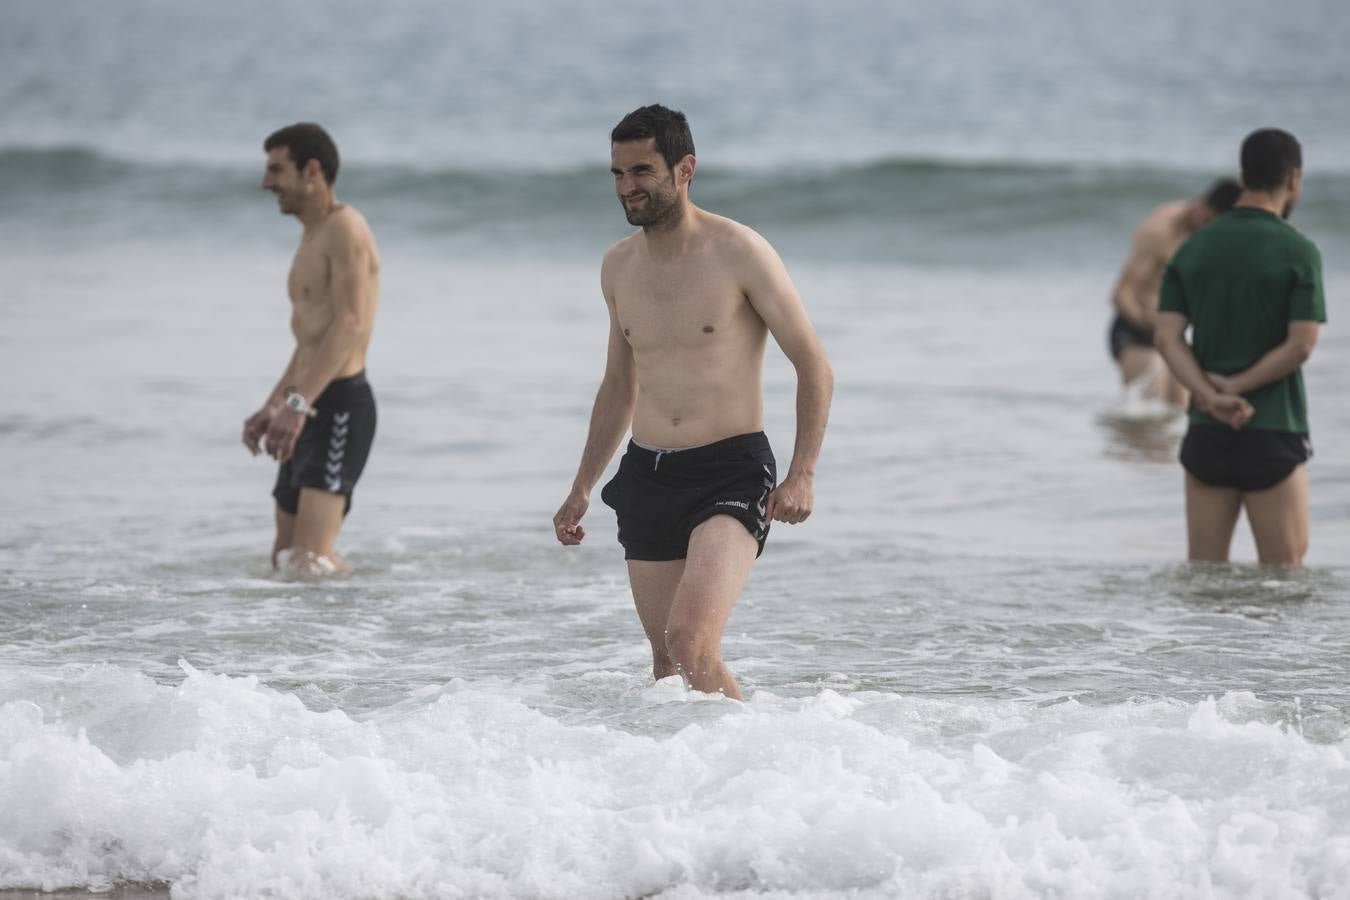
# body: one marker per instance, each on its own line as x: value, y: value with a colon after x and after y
x: 339, y: 386
x: 656, y: 457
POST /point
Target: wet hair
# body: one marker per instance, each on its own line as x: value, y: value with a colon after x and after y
x: 305, y: 141
x: 668, y: 127
x: 1222, y: 194
x: 1268, y: 156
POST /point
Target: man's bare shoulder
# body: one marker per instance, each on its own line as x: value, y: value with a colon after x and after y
x: 1162, y: 223
x: 347, y: 228
x: 621, y: 253
x: 724, y: 230
x: 739, y: 247
x: 617, y: 258
x: 622, y: 250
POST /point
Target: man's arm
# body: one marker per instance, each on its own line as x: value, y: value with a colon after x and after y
x: 1278, y: 362
x: 1169, y: 336
x: 774, y: 297
x: 1131, y: 294
x: 348, y: 250
x: 255, y: 426
x: 287, y: 378
x: 610, y: 418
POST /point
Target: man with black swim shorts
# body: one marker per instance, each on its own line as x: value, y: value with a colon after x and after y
x: 1135, y: 296
x: 318, y: 421
x: 692, y: 298
x: 1250, y: 287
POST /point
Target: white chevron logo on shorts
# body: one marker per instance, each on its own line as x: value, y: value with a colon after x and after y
x: 337, y: 447
x: 763, y: 505
x: 768, y: 486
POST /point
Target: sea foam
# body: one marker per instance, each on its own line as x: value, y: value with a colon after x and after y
x: 224, y: 787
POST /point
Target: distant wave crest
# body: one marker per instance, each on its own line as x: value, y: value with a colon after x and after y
x: 993, y: 196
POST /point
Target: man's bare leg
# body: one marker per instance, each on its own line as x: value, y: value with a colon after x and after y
x: 1279, y: 520
x: 285, y: 534
x: 654, y: 585
x: 1211, y: 516
x: 1137, y: 361
x: 316, y: 529
x: 721, y: 553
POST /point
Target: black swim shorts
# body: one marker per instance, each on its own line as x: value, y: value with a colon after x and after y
x: 1249, y: 459
x: 1125, y: 333
x: 661, y: 496
x: 332, y: 448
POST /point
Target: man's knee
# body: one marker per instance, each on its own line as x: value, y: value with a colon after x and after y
x: 1137, y: 361
x: 691, y: 649
x: 1289, y: 552
x: 318, y: 521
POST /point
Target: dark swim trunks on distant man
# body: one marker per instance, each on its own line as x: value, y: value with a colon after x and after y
x: 1125, y: 333
x: 1251, y: 459
x: 331, y: 451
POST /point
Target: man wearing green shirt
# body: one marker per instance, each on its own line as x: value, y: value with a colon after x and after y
x: 1250, y: 286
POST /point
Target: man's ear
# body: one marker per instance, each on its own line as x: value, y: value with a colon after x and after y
x: 313, y: 170
x: 684, y: 169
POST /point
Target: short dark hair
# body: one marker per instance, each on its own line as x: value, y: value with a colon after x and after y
x: 668, y: 127
x: 1268, y: 156
x: 305, y: 141
x: 1222, y: 194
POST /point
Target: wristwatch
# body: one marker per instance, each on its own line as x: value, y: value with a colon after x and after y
x: 297, y: 402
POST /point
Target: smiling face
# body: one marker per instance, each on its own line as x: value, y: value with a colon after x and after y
x: 291, y: 185
x: 648, y: 189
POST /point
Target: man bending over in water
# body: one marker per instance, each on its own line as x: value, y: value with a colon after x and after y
x: 319, y: 419
x: 692, y: 298
x: 1136, y: 293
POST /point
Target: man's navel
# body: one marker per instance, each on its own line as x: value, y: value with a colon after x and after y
x: 708, y: 329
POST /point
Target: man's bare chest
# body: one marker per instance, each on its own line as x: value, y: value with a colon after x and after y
x: 310, y: 277
x: 695, y: 309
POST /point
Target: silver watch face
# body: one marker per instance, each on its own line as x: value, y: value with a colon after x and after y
x: 296, y: 402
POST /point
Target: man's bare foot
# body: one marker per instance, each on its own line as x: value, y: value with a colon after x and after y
x: 300, y: 563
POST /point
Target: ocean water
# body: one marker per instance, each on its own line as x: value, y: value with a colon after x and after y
x: 980, y: 670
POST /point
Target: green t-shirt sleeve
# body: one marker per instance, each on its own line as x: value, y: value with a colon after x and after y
x: 1306, y: 302
x: 1172, y: 298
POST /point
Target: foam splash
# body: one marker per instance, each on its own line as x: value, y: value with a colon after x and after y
x: 223, y: 787
x: 1139, y: 402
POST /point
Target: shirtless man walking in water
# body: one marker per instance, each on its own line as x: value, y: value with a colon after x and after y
x: 318, y: 421
x: 1135, y: 297
x: 692, y: 298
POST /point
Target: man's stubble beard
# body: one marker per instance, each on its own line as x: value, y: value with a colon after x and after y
x: 659, y: 209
